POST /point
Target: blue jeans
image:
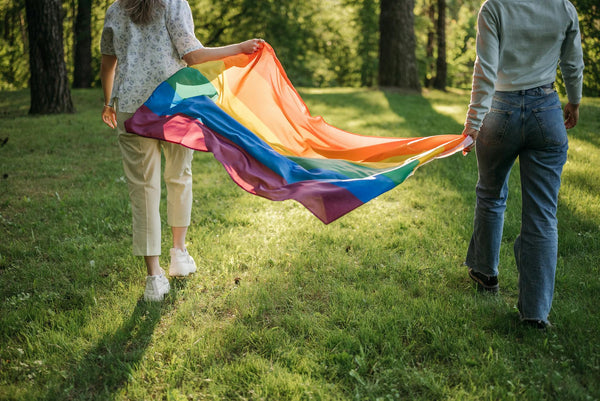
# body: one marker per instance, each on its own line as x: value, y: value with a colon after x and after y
x: 529, y: 125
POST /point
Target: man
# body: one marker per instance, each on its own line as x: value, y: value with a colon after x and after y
x: 515, y: 112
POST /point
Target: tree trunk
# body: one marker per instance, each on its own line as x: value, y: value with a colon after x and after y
x: 397, y: 59
x: 82, y: 72
x: 429, y: 73
x: 367, y: 45
x: 441, y: 67
x: 48, y: 84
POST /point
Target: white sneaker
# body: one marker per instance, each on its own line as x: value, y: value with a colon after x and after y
x: 156, y: 287
x: 182, y: 263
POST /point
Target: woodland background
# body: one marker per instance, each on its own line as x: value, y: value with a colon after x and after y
x: 377, y: 306
x: 321, y: 43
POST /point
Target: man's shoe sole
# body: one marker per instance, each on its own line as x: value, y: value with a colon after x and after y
x: 481, y: 286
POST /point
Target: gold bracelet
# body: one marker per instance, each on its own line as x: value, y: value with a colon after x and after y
x: 109, y: 105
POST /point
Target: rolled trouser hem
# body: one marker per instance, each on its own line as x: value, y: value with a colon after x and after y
x: 181, y: 223
x: 144, y: 251
x: 139, y: 253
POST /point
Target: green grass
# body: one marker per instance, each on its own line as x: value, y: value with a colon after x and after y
x: 375, y: 306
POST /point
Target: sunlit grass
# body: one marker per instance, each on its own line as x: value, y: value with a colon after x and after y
x: 376, y: 305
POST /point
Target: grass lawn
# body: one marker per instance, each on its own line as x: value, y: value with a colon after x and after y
x: 375, y: 306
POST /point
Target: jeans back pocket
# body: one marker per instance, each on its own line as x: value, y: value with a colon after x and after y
x: 494, y: 126
x: 551, y: 124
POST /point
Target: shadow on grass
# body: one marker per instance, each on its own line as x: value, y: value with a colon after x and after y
x: 14, y: 103
x: 420, y: 115
x: 589, y: 119
x: 112, y: 362
x: 576, y: 228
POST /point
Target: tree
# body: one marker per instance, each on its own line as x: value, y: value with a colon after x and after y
x: 315, y: 40
x: 367, y: 41
x: 589, y: 22
x: 82, y: 38
x: 429, y: 48
x: 320, y: 43
x: 13, y: 39
x: 397, y: 59
x: 441, y: 69
x: 48, y: 83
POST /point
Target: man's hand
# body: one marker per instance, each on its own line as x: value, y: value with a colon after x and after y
x: 571, y: 115
x: 473, y: 133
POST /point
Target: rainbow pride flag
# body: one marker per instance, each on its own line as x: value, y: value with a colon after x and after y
x: 246, y: 112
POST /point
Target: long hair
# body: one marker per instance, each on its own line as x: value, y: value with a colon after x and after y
x: 142, y: 11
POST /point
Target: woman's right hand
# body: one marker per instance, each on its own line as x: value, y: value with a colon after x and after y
x: 205, y: 54
x: 251, y: 46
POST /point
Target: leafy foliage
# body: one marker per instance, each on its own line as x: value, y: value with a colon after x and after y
x: 14, y: 65
x: 320, y: 42
x: 589, y: 21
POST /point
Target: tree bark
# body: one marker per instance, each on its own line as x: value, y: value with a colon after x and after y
x: 397, y: 59
x: 48, y: 83
x: 441, y: 68
x: 82, y: 72
x: 430, y: 72
x: 367, y: 45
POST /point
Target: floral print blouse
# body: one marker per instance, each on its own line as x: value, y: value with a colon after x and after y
x: 146, y: 54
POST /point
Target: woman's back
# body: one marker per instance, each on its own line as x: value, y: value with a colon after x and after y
x: 148, y: 53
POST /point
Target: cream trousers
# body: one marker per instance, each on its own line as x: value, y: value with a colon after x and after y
x: 142, y: 166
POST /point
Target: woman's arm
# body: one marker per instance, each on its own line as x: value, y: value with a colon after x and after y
x: 214, y: 53
x: 108, y: 68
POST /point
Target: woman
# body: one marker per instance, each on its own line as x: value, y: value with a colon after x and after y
x: 143, y: 43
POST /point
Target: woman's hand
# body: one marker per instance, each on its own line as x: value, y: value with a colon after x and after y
x: 108, y: 68
x: 252, y: 45
x: 109, y: 116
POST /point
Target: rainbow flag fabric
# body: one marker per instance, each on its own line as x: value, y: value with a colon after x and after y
x: 246, y: 112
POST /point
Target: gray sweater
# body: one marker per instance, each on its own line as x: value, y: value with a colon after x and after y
x: 519, y: 45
